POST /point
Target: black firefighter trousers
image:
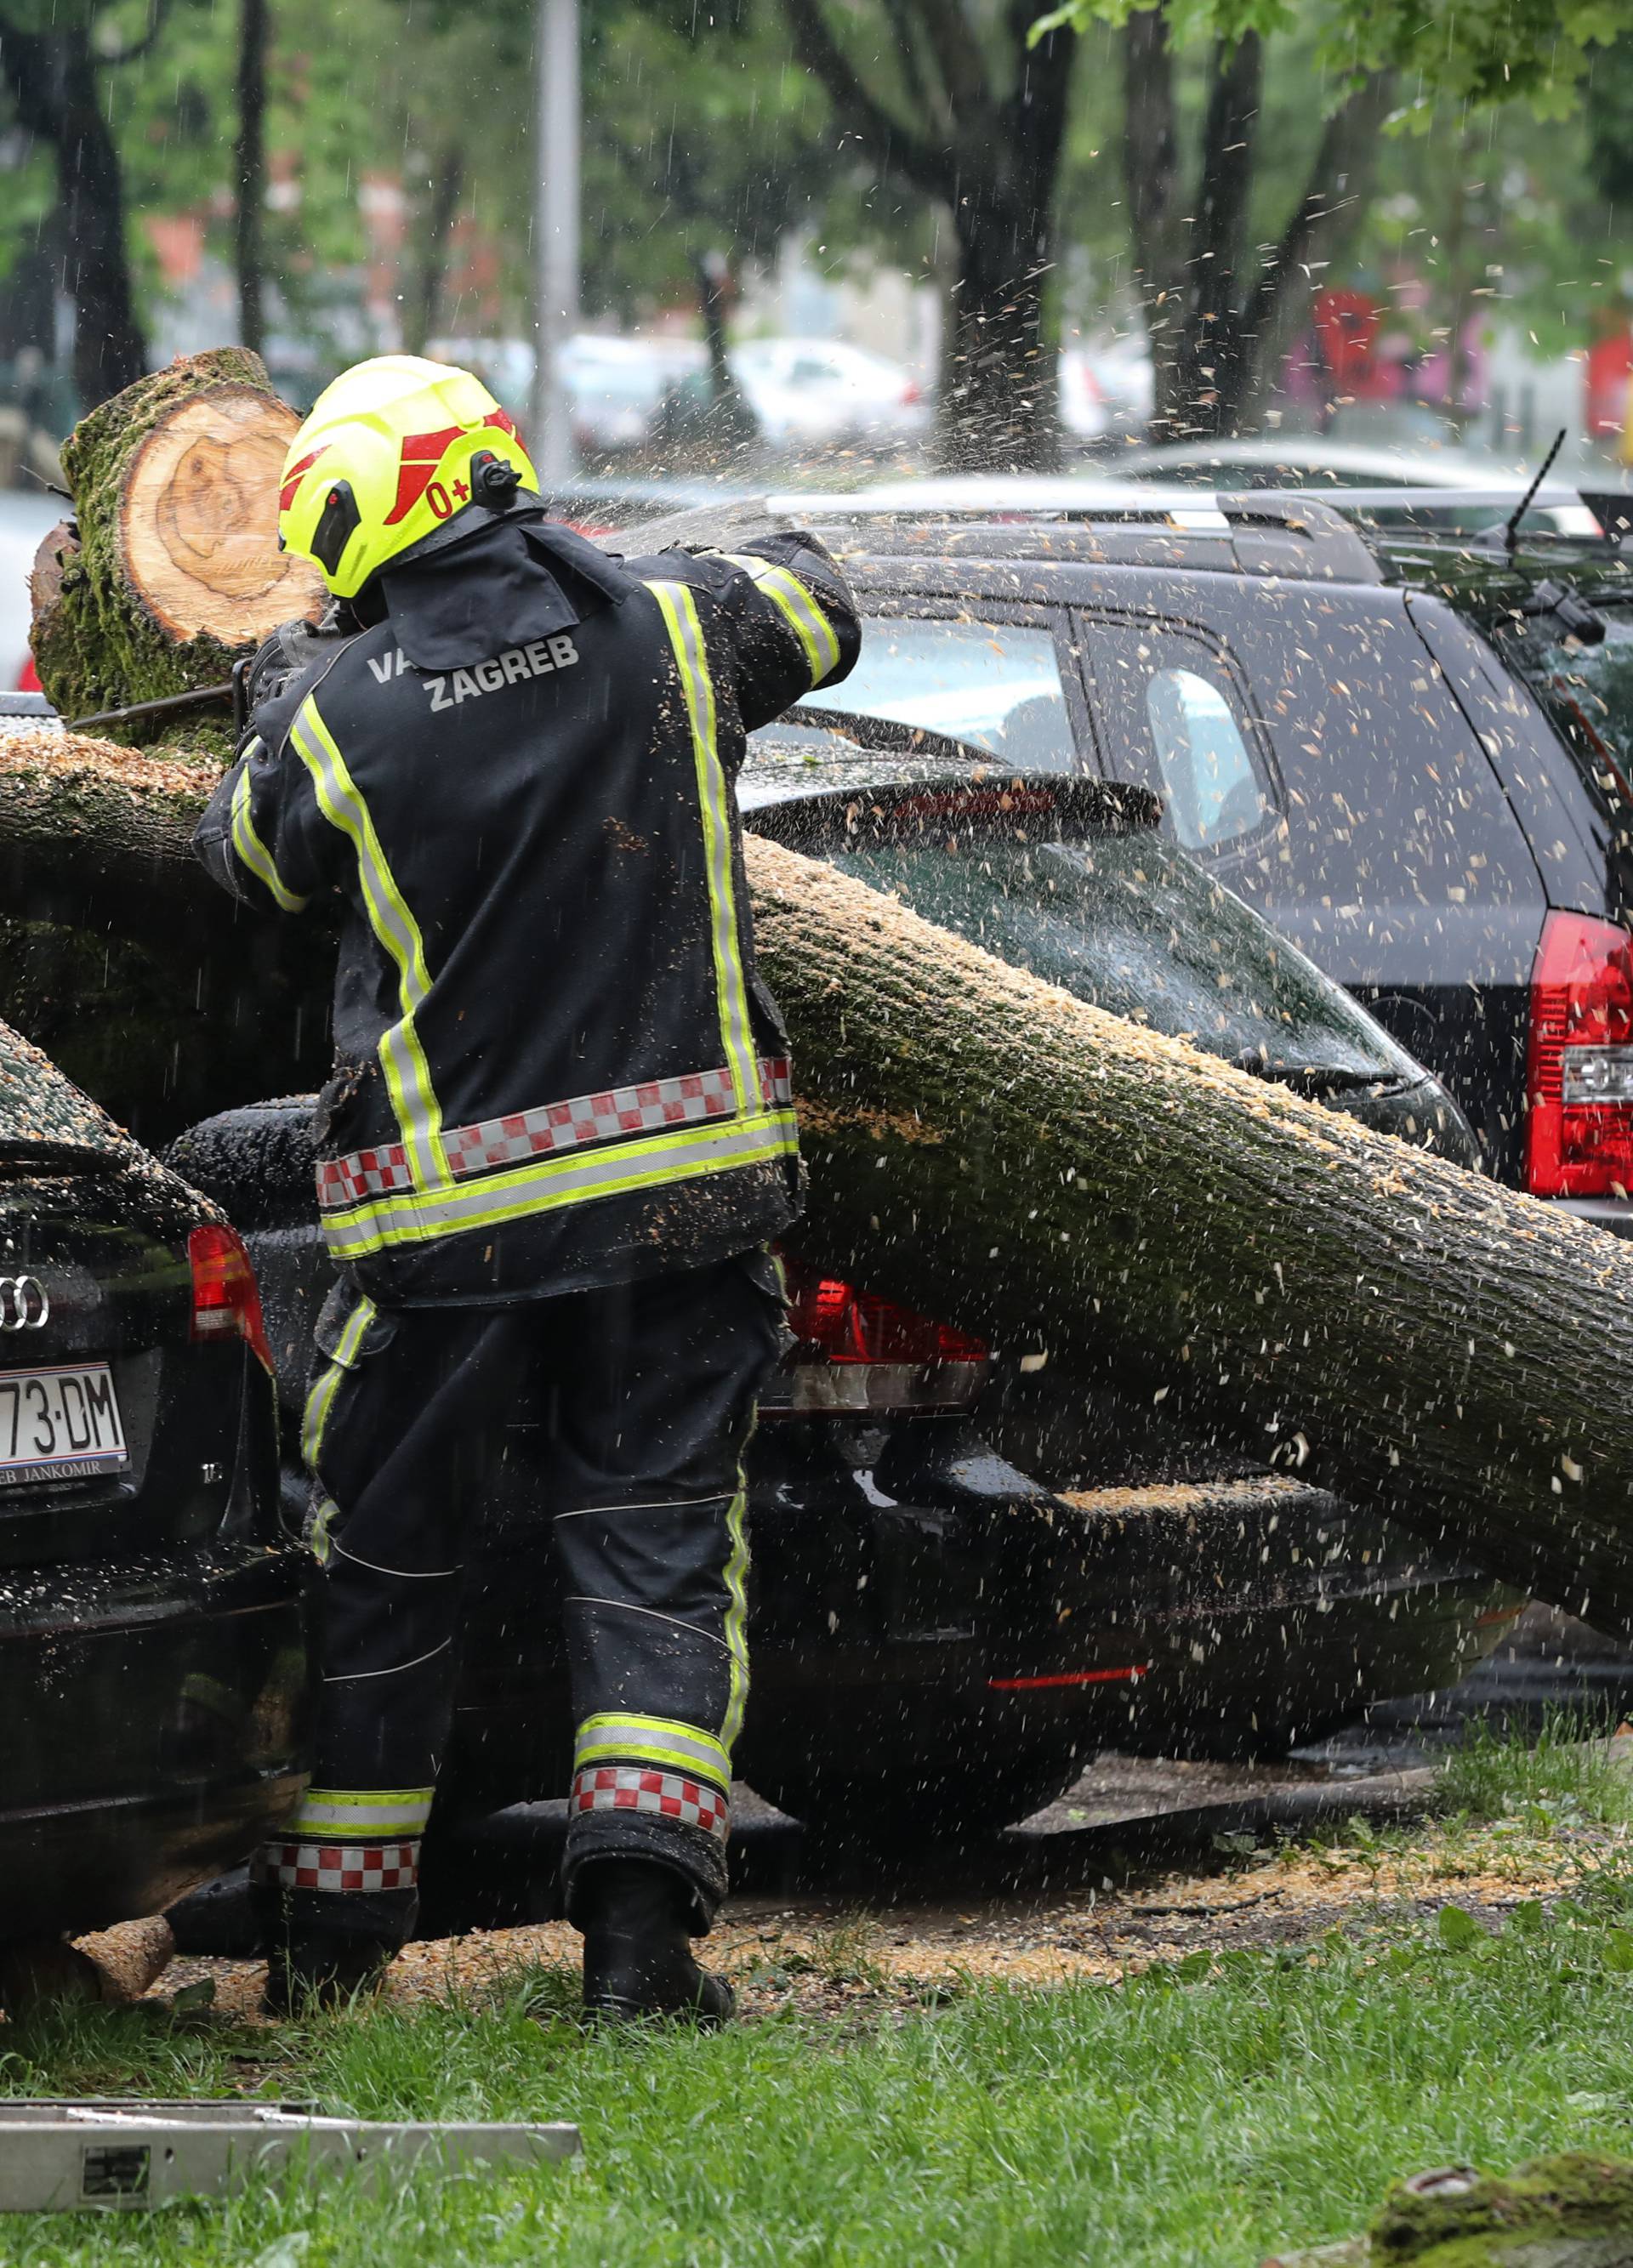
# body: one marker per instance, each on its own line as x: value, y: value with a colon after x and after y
x: 644, y: 1395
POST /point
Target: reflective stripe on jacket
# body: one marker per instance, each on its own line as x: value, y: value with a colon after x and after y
x: 555, y: 1063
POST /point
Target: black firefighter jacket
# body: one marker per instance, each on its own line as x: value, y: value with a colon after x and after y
x: 555, y: 1066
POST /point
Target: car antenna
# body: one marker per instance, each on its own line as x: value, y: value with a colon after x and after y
x: 1511, y: 533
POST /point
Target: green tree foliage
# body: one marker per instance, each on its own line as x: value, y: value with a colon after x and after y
x: 1608, y: 103
x: 56, y: 59
x: 1221, y: 304
x: 702, y: 135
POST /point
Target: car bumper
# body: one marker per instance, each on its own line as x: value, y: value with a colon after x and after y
x: 1612, y: 1214
x: 1204, y: 1618
x: 912, y: 1587
x: 157, y: 1714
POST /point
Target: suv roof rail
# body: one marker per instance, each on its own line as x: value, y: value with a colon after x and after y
x: 1255, y: 531
x: 1251, y: 531
x: 1276, y: 533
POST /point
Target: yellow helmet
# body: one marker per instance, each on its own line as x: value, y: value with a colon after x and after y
x: 393, y: 449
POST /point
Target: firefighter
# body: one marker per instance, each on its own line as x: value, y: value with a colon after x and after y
x: 557, y: 1144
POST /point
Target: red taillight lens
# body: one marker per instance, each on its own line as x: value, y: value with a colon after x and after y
x: 834, y: 1322
x: 226, y: 1304
x: 1579, y: 1068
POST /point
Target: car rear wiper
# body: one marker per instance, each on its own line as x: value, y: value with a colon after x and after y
x: 1317, y: 1080
x: 1026, y: 807
x: 19, y: 1159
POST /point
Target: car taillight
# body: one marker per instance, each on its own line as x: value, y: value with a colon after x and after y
x: 226, y: 1302
x: 1579, y: 1068
x: 856, y: 1352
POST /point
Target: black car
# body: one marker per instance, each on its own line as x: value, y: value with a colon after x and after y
x: 1398, y: 724
x: 939, y: 1634
x: 152, y: 1646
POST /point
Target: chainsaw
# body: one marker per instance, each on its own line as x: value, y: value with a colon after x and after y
x: 231, y: 693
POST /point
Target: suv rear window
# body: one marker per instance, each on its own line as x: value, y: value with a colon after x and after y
x: 1171, y: 713
x: 38, y: 1105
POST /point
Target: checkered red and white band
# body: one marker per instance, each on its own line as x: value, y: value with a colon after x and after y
x: 645, y: 1109
x: 339, y: 1866
x: 665, y: 1795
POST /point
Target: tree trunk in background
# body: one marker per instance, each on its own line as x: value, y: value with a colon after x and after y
x: 1000, y: 404
x: 51, y: 77
x: 986, y: 1149
x: 177, y: 569
x: 249, y: 239
x: 986, y: 144
x: 423, y: 312
x: 1216, y: 358
x: 1336, y: 195
x: 998, y: 383
x: 1219, y: 326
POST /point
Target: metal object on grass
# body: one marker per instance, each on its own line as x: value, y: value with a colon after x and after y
x: 64, y: 2156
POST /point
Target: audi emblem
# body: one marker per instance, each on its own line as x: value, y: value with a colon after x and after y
x: 25, y: 1304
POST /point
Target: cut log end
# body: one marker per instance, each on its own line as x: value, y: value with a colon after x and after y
x: 198, y: 520
x: 172, y: 569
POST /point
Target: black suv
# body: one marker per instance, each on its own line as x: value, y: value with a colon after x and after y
x: 1402, y: 735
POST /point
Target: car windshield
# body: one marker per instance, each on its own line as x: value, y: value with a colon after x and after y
x: 995, y: 684
x: 1126, y: 921
x: 1588, y: 690
x: 38, y: 1106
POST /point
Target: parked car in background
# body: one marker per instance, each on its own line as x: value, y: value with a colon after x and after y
x: 940, y: 1632
x: 805, y: 391
x: 1106, y: 389
x: 616, y: 386
x: 153, y: 1653
x: 1317, y: 462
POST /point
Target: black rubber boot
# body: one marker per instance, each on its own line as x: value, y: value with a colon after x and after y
x: 318, y: 1958
x: 638, y: 1958
x: 306, y: 1973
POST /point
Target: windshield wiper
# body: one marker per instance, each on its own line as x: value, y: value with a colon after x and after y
x: 890, y: 736
x: 1576, y: 616
x: 19, y: 1159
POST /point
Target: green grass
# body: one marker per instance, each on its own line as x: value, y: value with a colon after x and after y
x: 1159, y: 2121
x: 1562, y: 1774
x: 1204, y: 2113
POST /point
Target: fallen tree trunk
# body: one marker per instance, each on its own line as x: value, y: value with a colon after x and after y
x: 152, y: 988
x: 170, y: 569
x: 1381, y: 1323
x: 990, y: 1150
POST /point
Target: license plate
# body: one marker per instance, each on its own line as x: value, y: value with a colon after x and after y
x: 60, y: 1425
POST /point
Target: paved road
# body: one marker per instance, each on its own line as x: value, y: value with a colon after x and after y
x: 24, y: 518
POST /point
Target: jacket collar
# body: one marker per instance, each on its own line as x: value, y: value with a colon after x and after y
x: 491, y: 581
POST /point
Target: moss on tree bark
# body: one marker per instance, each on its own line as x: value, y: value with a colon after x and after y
x: 1573, y: 2209
x: 120, y: 957
x: 99, y: 642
